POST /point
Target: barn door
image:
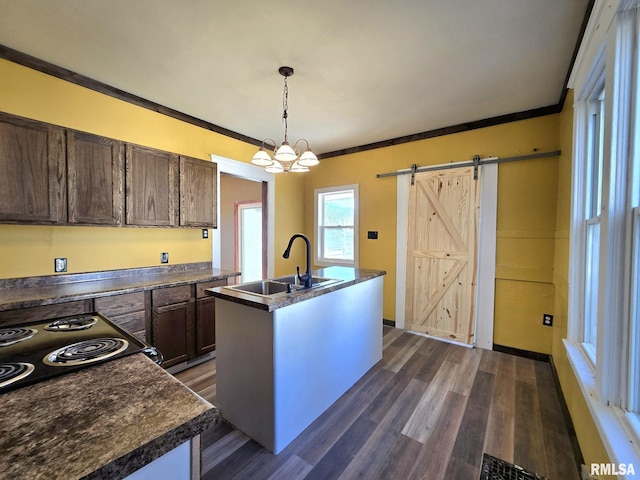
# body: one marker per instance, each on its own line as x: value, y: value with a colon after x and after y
x: 442, y: 254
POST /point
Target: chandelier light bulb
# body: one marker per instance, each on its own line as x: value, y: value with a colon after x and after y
x: 308, y: 159
x: 275, y: 167
x: 262, y: 158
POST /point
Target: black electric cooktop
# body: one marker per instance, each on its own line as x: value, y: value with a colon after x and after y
x: 38, y: 351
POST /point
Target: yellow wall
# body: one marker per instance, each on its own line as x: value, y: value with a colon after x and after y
x: 590, y: 443
x: 533, y: 211
x: 30, y: 250
x: 526, y: 216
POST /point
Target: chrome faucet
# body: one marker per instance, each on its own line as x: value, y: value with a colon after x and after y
x: 306, y: 278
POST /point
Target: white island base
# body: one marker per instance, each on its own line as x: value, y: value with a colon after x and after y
x: 278, y: 371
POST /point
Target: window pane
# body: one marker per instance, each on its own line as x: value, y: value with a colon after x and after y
x: 634, y: 347
x: 338, y: 244
x: 338, y: 209
x: 595, y: 159
x: 591, y: 286
x: 336, y: 225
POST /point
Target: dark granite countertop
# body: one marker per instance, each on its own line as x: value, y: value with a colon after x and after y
x: 347, y: 276
x: 104, y: 422
x: 37, y: 291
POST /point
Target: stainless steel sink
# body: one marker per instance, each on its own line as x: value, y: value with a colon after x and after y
x: 264, y: 287
x: 315, y: 281
x: 280, y: 286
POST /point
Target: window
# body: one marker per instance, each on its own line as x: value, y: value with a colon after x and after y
x: 603, y: 342
x: 593, y: 207
x: 336, y: 218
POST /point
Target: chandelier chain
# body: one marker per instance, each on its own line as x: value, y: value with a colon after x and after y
x: 285, y: 107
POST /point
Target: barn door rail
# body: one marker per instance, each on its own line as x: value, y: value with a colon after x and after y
x: 476, y: 163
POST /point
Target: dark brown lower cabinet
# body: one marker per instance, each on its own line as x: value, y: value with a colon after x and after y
x: 127, y: 310
x: 173, y: 332
x: 205, y: 325
x: 183, y: 321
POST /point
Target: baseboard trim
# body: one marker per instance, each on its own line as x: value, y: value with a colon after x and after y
x: 542, y: 357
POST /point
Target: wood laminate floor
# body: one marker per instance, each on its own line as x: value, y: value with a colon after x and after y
x: 428, y: 410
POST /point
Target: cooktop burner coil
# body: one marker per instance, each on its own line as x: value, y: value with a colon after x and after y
x: 12, y: 372
x: 9, y: 336
x: 87, y: 351
x: 72, y: 324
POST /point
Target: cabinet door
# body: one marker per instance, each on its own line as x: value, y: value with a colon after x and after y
x: 151, y: 178
x: 173, y: 332
x: 198, y: 185
x: 95, y: 179
x: 32, y: 166
x: 205, y: 325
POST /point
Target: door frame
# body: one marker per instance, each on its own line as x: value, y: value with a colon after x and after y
x: 256, y: 174
x: 487, y: 227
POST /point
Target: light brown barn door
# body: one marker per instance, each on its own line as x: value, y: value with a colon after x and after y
x: 442, y: 253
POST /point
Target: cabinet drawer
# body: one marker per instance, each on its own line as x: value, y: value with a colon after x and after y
x: 202, y: 286
x: 169, y: 295
x: 45, y: 312
x: 132, y: 322
x: 115, y: 305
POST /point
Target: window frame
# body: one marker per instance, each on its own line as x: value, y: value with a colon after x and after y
x: 318, y: 257
x: 606, y: 379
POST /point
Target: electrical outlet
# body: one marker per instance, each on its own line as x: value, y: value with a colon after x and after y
x: 205, y: 233
x: 60, y: 265
x: 164, y: 257
x: 547, y: 320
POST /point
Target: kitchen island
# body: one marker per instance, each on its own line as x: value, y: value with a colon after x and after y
x: 283, y: 359
x: 121, y: 418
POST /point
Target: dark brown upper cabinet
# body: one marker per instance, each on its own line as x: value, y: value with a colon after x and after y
x: 151, y: 187
x: 95, y: 179
x: 32, y: 171
x: 198, y: 185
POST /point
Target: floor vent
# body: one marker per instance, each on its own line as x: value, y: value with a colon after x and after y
x: 495, y: 469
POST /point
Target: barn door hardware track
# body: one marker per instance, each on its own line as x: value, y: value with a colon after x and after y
x: 476, y: 162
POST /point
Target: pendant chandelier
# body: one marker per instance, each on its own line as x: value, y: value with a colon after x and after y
x: 286, y: 158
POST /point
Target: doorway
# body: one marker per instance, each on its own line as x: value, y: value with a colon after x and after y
x: 248, y: 240
x: 223, y: 257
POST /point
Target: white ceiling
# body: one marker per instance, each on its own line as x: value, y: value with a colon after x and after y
x: 365, y: 70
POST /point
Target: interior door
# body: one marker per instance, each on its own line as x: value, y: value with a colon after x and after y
x: 442, y: 254
x: 249, y: 240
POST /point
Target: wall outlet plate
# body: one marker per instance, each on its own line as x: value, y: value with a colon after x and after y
x: 60, y: 265
x: 164, y: 257
x: 547, y: 320
x: 205, y: 233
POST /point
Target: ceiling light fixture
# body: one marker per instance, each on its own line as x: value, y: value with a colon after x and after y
x: 286, y: 158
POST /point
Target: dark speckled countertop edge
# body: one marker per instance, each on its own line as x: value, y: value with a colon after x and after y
x: 348, y: 276
x: 145, y: 454
x: 119, y: 416
x: 11, y: 299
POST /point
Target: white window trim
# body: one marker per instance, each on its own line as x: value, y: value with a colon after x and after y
x: 356, y: 221
x: 602, y: 386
